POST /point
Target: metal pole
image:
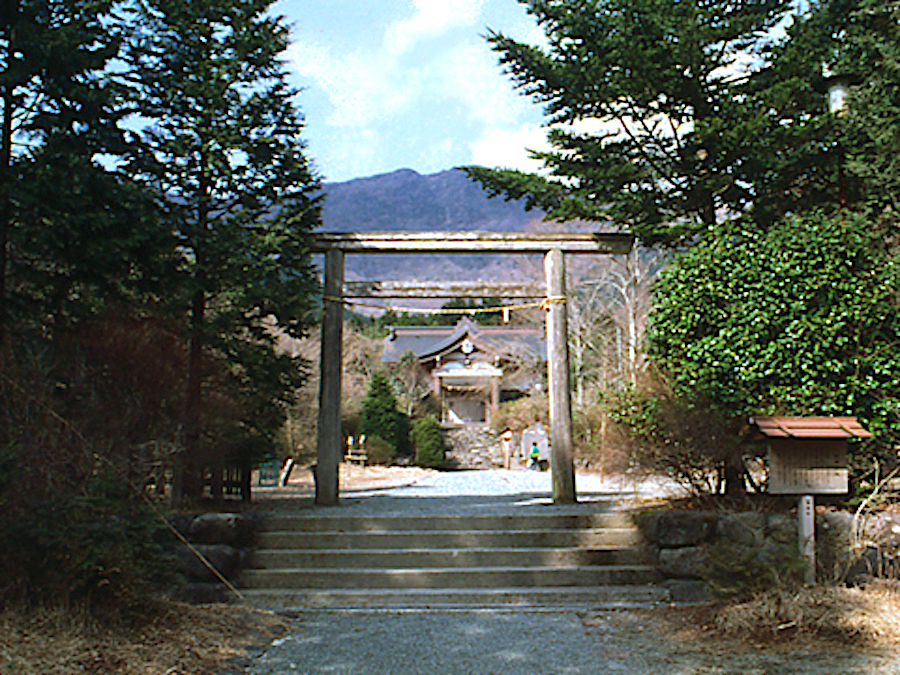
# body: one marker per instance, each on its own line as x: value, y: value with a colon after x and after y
x: 330, y: 446
x: 806, y: 520
x: 561, y: 455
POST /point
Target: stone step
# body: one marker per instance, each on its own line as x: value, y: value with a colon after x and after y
x: 448, y: 557
x: 551, y: 521
x: 412, y: 539
x: 597, y: 597
x: 473, y: 577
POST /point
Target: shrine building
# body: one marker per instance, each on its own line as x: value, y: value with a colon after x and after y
x: 472, y: 368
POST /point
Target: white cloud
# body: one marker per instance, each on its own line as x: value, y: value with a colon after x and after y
x: 469, y: 74
x: 431, y: 18
x: 508, y: 148
x: 415, y: 95
x: 359, y: 86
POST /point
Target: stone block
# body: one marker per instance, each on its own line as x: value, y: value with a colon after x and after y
x: 834, y: 545
x: 683, y: 529
x: 745, y: 529
x: 683, y: 563
x: 234, y: 529
x: 226, y: 559
x: 781, y: 528
x: 180, y: 522
x: 647, y: 522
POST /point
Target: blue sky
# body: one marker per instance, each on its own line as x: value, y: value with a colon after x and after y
x: 391, y: 84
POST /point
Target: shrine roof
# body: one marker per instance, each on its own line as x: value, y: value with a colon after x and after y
x: 429, y: 342
x: 810, y: 427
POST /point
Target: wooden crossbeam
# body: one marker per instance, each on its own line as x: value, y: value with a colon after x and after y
x: 472, y: 242
x: 437, y: 289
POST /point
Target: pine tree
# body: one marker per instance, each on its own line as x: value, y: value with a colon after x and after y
x: 429, y: 442
x: 56, y: 113
x: 663, y: 114
x: 222, y: 151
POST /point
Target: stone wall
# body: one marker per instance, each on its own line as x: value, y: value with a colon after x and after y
x: 691, y: 547
x: 226, y: 541
x: 471, y: 447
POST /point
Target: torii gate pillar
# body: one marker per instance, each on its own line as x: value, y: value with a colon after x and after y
x: 561, y: 451
x: 330, y: 445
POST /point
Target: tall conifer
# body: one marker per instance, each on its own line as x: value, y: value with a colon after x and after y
x: 222, y: 150
x: 55, y: 114
x: 666, y: 115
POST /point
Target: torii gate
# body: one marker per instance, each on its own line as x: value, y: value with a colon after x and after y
x: 335, y: 246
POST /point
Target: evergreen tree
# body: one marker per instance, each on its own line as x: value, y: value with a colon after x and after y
x: 665, y: 114
x: 483, y: 318
x: 56, y: 113
x: 872, y: 55
x: 380, y: 415
x: 429, y: 442
x: 221, y: 150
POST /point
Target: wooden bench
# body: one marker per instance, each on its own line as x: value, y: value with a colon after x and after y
x: 357, y: 456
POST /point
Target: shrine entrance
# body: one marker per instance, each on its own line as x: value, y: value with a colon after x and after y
x: 554, y: 246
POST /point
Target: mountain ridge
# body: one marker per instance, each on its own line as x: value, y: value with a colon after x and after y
x: 406, y: 201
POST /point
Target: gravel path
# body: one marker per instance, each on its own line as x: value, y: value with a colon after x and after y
x: 490, y: 492
x: 631, y: 641
x: 529, y: 643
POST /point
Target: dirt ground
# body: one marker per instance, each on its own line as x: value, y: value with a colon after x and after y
x: 355, y: 480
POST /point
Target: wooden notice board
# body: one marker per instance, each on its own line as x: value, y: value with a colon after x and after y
x: 808, y: 466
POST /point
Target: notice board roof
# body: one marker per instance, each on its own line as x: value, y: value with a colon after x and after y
x: 810, y: 427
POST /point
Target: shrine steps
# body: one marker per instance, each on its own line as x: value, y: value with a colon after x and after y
x: 534, y: 561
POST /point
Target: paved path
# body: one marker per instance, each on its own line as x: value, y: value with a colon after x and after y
x: 520, y: 642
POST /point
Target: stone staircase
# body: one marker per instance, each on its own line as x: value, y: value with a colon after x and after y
x: 531, y: 560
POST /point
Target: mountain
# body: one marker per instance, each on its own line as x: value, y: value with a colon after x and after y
x: 405, y: 201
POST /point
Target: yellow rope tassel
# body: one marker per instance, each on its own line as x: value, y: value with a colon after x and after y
x: 553, y: 300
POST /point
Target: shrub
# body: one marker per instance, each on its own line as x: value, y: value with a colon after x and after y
x: 380, y: 451
x: 380, y: 416
x: 429, y: 443
x: 686, y: 440
x: 97, y: 548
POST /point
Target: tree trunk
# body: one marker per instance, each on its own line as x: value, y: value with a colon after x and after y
x: 246, y: 482
x: 191, y: 467
x: 6, y: 215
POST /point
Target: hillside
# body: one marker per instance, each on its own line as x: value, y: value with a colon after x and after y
x: 404, y: 201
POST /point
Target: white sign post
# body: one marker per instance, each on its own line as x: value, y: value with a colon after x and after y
x: 806, y: 518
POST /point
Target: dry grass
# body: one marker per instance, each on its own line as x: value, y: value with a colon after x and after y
x: 164, y: 638
x: 864, y: 616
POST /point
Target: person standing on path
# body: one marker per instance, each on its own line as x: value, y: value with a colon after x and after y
x: 534, y: 457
